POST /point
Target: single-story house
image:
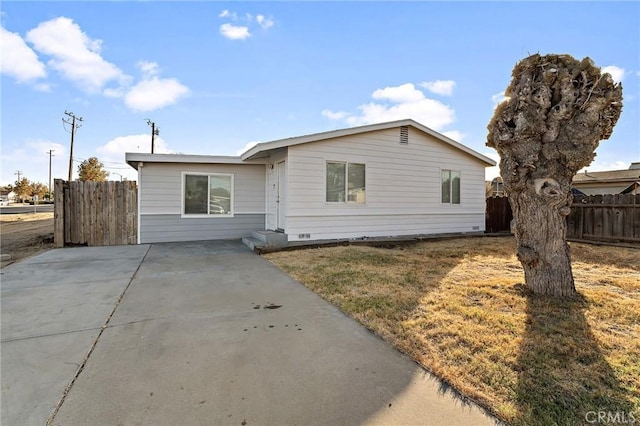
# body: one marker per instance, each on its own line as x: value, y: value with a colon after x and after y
x: 397, y: 178
x: 7, y: 197
x: 609, y: 182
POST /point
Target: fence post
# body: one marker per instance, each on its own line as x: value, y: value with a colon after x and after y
x: 58, y: 214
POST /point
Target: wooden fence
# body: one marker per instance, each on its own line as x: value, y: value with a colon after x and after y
x: 498, y: 215
x: 607, y: 218
x: 95, y: 213
x: 603, y: 218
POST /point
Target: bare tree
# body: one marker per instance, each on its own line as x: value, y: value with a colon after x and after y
x: 557, y: 111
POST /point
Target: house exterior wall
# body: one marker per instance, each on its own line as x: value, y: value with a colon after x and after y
x: 403, y: 188
x: 160, y: 198
x: 601, y: 188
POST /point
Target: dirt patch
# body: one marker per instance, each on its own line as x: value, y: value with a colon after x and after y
x: 25, y: 235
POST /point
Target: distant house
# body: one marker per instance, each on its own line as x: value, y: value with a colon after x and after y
x: 609, y: 182
x: 495, y: 187
x: 381, y: 180
x: 7, y: 197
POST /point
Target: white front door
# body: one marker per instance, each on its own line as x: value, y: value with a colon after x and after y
x: 281, y: 196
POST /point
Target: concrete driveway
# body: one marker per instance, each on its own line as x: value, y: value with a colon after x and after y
x: 202, y: 333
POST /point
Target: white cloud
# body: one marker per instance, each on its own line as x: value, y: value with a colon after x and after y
x: 498, y: 98
x: 265, y: 23
x: 331, y: 115
x: 440, y: 87
x: 112, y: 154
x: 400, y: 94
x: 148, y: 69
x: 247, y: 147
x: 154, y: 93
x: 617, y: 73
x: 18, y: 60
x: 243, y: 25
x: 494, y: 171
x: 226, y: 14
x: 74, y: 54
x: 234, y: 32
x: 399, y: 102
x: 456, y: 135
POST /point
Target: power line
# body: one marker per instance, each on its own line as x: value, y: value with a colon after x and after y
x: 74, y: 127
x: 18, y: 172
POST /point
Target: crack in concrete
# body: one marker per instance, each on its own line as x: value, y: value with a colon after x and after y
x: 17, y: 339
x: 93, y: 345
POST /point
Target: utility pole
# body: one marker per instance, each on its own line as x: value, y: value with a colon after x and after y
x: 18, y: 172
x: 154, y: 132
x: 74, y: 127
x: 50, y: 155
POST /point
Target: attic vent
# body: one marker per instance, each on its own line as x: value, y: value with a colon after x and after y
x: 404, y: 134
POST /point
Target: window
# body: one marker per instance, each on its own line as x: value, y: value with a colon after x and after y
x: 345, y: 182
x: 451, y: 186
x: 208, y: 194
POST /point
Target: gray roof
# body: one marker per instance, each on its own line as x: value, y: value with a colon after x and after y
x: 628, y: 175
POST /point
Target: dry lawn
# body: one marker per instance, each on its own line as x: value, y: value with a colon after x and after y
x: 460, y: 308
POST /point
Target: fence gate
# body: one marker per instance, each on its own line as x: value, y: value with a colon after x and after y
x: 95, y: 213
x: 498, y: 215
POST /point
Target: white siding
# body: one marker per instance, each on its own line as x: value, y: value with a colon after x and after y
x: 402, y: 188
x: 160, y: 203
x: 160, y: 228
x: 162, y: 186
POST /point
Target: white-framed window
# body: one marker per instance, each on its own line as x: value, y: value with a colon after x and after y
x: 346, y: 182
x: 450, y: 187
x: 207, y: 194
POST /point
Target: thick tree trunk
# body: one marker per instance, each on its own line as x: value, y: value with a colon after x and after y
x: 558, y: 109
x: 540, y: 230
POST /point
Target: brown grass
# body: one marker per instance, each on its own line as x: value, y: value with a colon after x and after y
x: 460, y: 308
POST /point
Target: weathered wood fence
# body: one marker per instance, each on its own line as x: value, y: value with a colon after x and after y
x: 603, y: 218
x: 607, y: 218
x: 95, y: 213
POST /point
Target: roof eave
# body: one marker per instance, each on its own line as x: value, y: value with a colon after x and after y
x: 316, y: 137
x: 135, y: 158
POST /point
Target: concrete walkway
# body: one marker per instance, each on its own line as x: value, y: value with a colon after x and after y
x: 206, y: 333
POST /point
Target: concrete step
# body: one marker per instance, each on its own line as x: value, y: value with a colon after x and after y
x: 253, y: 243
x: 270, y: 237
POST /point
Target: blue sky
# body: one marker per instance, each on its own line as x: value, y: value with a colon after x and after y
x: 218, y: 76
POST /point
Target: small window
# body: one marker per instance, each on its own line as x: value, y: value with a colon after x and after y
x: 346, y: 182
x: 404, y: 134
x: 208, y: 194
x: 450, y: 187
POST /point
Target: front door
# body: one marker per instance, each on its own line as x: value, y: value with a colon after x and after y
x: 281, y: 200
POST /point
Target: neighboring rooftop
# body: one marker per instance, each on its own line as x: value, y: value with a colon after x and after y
x: 629, y: 175
x: 609, y: 182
